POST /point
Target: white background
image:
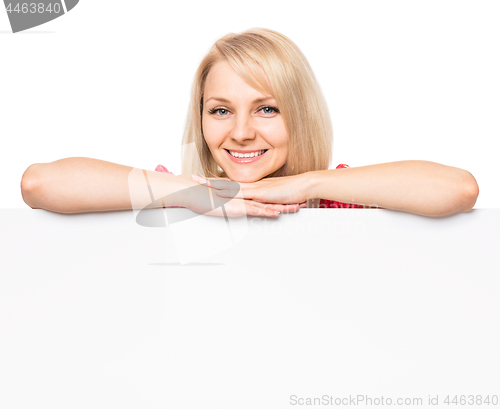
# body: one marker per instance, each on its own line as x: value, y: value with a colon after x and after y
x: 111, y: 80
x: 95, y: 312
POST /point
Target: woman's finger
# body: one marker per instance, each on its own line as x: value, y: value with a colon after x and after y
x: 255, y: 209
x: 231, y: 193
x: 217, y: 183
x: 284, y: 208
x: 288, y: 208
x: 268, y: 212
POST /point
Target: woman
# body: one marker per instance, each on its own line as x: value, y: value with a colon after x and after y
x: 253, y: 93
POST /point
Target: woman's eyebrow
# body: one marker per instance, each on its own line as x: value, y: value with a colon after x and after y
x: 228, y: 102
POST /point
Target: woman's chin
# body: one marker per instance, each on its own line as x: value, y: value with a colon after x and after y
x: 244, y: 178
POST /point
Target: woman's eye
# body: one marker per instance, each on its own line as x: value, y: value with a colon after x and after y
x: 269, y: 110
x: 219, y: 111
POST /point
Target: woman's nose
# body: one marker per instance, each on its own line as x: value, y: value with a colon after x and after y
x: 243, y: 129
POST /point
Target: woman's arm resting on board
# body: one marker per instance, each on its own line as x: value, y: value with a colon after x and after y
x: 415, y: 186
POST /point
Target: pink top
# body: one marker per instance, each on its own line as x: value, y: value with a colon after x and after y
x: 332, y: 204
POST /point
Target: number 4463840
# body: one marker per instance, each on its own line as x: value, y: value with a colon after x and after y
x: 34, y: 8
x: 472, y: 400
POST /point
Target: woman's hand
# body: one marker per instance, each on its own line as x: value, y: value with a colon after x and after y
x: 287, y: 191
x: 203, y: 199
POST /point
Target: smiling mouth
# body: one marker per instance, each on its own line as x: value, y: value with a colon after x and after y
x: 246, y: 155
x: 246, y: 160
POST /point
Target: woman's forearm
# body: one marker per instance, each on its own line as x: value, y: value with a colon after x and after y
x: 76, y: 185
x: 415, y: 186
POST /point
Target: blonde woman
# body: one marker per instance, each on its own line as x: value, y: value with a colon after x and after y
x: 262, y: 143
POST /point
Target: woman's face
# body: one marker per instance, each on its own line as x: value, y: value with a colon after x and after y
x: 238, y: 118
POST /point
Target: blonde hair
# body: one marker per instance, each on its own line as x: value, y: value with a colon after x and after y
x: 291, y: 82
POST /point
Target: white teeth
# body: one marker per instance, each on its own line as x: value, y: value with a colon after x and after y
x: 246, y: 155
